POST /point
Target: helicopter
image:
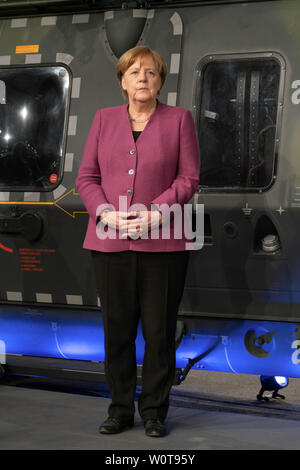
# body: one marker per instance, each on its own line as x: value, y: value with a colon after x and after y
x: 236, y: 66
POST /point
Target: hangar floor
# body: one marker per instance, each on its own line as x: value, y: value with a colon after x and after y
x: 209, y: 411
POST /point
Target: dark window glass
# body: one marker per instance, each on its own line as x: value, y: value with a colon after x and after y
x: 237, y: 123
x: 33, y: 112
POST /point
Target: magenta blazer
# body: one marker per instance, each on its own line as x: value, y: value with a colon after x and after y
x: 162, y: 166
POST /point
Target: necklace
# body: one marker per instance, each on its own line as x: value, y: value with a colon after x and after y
x: 139, y: 120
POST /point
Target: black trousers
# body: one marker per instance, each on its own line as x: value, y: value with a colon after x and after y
x: 134, y: 285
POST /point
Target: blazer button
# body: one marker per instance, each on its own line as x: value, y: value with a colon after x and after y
x: 131, y: 172
x: 132, y: 152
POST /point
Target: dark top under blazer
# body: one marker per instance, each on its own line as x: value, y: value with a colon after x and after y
x: 162, y: 166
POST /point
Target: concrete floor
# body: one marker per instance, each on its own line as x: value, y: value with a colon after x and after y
x: 209, y: 411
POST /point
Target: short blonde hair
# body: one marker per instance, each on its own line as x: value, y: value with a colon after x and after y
x: 139, y: 52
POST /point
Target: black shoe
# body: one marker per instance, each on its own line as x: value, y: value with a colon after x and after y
x: 114, y: 426
x: 154, y: 428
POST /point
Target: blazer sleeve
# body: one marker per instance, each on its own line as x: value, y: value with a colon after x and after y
x: 186, y: 182
x: 88, y: 181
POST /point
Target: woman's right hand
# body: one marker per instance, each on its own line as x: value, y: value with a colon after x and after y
x: 117, y: 220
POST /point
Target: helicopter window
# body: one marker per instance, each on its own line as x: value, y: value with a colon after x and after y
x: 33, y: 112
x: 237, y: 123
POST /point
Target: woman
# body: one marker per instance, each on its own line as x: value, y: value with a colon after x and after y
x: 137, y: 157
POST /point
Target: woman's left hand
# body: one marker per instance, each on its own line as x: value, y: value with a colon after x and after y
x: 142, y: 223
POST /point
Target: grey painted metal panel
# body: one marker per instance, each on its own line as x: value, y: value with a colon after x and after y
x: 228, y: 277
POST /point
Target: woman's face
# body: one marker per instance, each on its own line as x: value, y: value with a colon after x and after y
x: 142, y: 80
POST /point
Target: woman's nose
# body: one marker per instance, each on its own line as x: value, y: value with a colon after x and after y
x: 142, y: 76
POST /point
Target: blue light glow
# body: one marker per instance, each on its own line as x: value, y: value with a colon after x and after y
x: 281, y: 381
x: 239, y: 346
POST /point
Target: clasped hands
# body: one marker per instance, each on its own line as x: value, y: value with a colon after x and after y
x: 132, y: 224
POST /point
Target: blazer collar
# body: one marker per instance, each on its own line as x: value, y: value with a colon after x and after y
x: 126, y: 122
